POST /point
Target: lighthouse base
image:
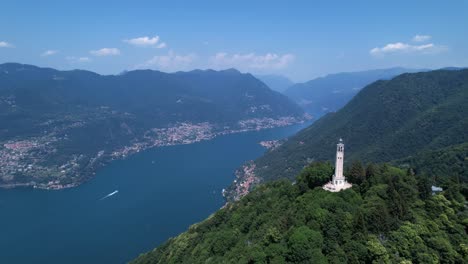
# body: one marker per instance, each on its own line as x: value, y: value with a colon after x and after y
x: 331, y: 187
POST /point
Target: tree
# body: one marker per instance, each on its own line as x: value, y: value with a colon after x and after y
x: 369, y: 179
x: 357, y: 174
x: 360, y: 223
x: 377, y: 252
x: 370, y: 171
x: 314, y: 175
x: 304, y: 245
x: 452, y: 189
x: 378, y: 219
x: 424, y: 187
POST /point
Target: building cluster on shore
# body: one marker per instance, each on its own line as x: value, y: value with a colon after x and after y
x: 271, y: 144
x: 26, y: 157
x: 245, y: 179
x: 188, y: 133
x: 22, y: 156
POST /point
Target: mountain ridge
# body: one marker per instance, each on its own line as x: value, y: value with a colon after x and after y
x: 68, y: 123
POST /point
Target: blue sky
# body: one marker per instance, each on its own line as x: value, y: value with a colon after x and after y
x: 298, y: 39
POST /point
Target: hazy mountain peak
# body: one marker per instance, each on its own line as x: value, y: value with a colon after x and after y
x: 320, y: 93
x: 276, y: 82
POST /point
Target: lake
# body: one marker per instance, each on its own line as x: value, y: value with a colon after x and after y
x: 161, y: 192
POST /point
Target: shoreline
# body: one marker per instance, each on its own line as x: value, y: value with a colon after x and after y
x: 203, y: 132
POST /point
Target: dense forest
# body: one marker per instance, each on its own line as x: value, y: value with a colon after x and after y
x: 440, y: 163
x: 390, y: 215
x: 389, y: 120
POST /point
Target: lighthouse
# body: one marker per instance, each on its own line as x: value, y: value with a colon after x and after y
x: 338, y: 181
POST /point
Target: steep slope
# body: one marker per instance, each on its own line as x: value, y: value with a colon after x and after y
x: 447, y: 161
x: 276, y: 82
x: 388, y: 120
x: 330, y: 93
x: 390, y: 218
x: 57, y: 127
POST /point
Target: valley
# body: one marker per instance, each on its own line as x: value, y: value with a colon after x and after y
x: 72, y: 124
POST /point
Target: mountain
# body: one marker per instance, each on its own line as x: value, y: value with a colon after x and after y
x: 391, y: 217
x: 276, y: 82
x: 453, y: 68
x: 330, y: 93
x: 402, y: 118
x: 57, y: 127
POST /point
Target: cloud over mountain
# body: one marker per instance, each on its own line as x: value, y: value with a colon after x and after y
x: 48, y: 53
x: 252, y: 60
x: 170, y: 62
x: 421, y: 38
x: 402, y: 47
x: 146, y: 42
x: 73, y: 59
x: 105, y: 52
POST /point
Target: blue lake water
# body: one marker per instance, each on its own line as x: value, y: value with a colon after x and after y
x: 161, y: 192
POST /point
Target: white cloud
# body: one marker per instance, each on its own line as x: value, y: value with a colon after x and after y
x: 105, y: 52
x: 421, y: 38
x: 84, y: 59
x: 269, y: 61
x: 4, y: 44
x: 146, y: 42
x: 170, y: 62
x: 49, y: 53
x: 400, y: 47
x: 161, y: 45
x: 73, y: 59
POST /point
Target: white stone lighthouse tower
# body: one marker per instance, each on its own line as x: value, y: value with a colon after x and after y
x: 338, y: 181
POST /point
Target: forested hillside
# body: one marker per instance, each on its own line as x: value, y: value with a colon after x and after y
x: 410, y: 115
x: 388, y: 216
x: 440, y: 163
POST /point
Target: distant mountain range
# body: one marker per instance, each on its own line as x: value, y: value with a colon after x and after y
x: 276, y: 82
x: 328, y: 94
x: 409, y: 119
x: 57, y: 127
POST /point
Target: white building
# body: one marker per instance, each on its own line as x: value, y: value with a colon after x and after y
x: 338, y: 181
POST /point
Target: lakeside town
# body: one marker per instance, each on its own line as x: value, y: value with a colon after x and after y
x: 26, y: 158
x: 271, y: 144
x: 188, y: 133
x: 245, y: 179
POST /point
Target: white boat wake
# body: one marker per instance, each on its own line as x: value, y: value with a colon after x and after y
x: 109, y: 195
